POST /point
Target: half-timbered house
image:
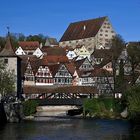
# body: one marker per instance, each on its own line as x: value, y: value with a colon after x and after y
x: 63, y: 76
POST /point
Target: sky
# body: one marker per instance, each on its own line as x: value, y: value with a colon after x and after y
x: 52, y: 17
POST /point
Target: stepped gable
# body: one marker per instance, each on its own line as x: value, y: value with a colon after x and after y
x: 29, y: 45
x: 8, y: 50
x: 83, y: 29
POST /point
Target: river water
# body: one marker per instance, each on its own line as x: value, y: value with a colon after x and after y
x: 68, y: 129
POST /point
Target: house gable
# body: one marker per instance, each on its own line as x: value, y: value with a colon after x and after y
x: 19, y: 51
x: 44, y: 76
x: 38, y: 53
x: 29, y: 75
x: 63, y: 72
x: 71, y: 54
x: 86, y: 65
x: 44, y: 71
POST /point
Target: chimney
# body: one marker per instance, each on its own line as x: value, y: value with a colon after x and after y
x: 84, y: 27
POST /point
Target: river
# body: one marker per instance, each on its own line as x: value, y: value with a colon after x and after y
x: 68, y: 129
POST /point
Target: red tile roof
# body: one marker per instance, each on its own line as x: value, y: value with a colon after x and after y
x: 29, y: 45
x: 83, y: 29
x: 54, y: 69
x: 53, y: 50
x: 54, y: 59
x: 66, y: 89
x: 71, y: 68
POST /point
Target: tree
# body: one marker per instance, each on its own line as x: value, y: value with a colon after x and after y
x: 117, y: 44
x: 40, y: 38
x: 133, y: 50
x: 133, y: 101
x: 7, y: 80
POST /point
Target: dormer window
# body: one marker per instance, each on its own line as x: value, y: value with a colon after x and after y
x: 5, y: 61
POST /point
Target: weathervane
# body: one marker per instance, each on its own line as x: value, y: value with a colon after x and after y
x: 8, y: 28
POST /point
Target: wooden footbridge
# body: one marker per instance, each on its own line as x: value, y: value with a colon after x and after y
x: 65, y: 95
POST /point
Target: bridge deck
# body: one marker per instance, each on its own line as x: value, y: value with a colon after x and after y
x: 53, y: 102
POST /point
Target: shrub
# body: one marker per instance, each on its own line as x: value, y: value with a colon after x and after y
x: 29, y: 107
x: 101, y: 107
x: 133, y: 101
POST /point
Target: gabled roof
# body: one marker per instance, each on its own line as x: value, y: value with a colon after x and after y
x: 134, y: 43
x: 51, y: 42
x: 78, y: 63
x: 83, y: 29
x: 29, y: 45
x: 8, y: 50
x: 53, y: 50
x: 99, y: 72
x: 65, y: 89
x: 101, y: 53
x: 54, y: 69
x: 35, y: 63
x: 54, y: 59
x: 70, y: 67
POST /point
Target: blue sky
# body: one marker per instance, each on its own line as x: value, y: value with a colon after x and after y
x: 52, y: 17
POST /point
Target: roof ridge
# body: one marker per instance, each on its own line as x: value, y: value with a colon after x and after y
x: 89, y: 19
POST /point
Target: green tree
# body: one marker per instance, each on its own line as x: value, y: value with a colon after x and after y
x: 7, y: 80
x: 40, y: 38
x: 133, y: 50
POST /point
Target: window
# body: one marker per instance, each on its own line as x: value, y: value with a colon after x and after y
x: 101, y: 34
x: 106, y: 35
x: 6, y: 61
x: 106, y: 31
x: 106, y: 44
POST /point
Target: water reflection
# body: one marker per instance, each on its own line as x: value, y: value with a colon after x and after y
x: 69, y: 129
